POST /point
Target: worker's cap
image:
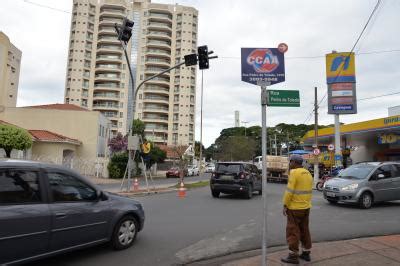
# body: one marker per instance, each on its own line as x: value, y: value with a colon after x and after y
x: 296, y: 158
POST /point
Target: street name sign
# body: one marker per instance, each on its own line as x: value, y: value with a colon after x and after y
x: 283, y: 98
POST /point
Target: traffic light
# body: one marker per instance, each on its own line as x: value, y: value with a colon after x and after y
x: 125, y: 30
x: 203, y: 56
x: 191, y: 60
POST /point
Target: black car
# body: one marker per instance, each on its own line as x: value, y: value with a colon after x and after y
x: 235, y: 178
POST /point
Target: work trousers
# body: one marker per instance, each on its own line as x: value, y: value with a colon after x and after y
x: 297, y: 230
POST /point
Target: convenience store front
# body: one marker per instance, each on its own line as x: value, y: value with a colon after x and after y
x: 372, y: 140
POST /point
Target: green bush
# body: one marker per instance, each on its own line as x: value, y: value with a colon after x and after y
x: 117, y: 165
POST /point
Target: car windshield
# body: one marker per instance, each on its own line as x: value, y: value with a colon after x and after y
x: 356, y: 171
x: 228, y: 168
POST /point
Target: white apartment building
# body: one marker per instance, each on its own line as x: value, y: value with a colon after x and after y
x: 10, y: 62
x: 98, y: 76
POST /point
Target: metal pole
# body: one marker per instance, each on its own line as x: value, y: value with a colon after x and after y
x: 276, y: 147
x: 338, y: 151
x: 201, y: 125
x: 316, y: 161
x: 264, y: 170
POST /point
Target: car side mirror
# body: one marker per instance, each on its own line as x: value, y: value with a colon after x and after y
x: 101, y: 195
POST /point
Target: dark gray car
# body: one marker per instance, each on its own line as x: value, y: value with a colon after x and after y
x: 47, y: 209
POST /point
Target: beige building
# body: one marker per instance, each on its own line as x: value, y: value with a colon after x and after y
x: 98, y: 77
x: 10, y: 61
x: 64, y: 134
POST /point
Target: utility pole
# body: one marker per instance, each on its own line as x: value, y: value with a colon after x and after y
x: 245, y: 125
x: 316, y: 161
x: 201, y: 126
x: 276, y: 147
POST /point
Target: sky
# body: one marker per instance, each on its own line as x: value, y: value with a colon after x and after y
x: 310, y: 28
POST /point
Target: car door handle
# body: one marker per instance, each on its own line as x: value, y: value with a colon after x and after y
x: 61, y: 215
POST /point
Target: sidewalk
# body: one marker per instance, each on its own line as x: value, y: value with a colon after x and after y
x: 383, y: 250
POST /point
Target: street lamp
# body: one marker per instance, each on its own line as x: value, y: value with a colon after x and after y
x: 244, y: 122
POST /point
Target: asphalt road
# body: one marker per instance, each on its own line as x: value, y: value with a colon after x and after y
x: 179, y: 231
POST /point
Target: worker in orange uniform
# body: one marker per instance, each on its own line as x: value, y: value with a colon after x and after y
x: 296, y: 207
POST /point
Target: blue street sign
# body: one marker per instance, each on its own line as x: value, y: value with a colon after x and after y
x: 263, y: 64
x: 338, y: 157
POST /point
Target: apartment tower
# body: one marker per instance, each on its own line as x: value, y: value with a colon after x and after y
x: 98, y: 76
x: 10, y: 62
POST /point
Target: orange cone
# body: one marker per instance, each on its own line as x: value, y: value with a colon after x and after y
x: 182, y: 191
x: 135, y: 185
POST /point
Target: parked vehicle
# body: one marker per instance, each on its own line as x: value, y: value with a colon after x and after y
x: 47, y: 209
x: 235, y: 178
x: 326, y: 175
x: 193, y: 170
x: 210, y: 168
x: 364, y: 184
x: 174, y: 172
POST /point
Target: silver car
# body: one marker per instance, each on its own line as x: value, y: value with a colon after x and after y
x: 364, y: 184
x: 48, y: 209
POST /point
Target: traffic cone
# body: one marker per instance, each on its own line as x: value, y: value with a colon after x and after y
x: 182, y: 191
x: 135, y: 185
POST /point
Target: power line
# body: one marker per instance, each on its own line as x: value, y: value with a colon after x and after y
x: 48, y: 7
x: 355, y: 44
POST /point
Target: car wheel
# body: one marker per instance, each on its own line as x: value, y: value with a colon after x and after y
x: 215, y: 193
x: 249, y: 194
x: 124, y: 233
x: 319, y: 186
x: 260, y: 192
x: 332, y: 201
x: 365, y: 200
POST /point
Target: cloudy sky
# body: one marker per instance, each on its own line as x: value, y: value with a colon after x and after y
x: 311, y: 29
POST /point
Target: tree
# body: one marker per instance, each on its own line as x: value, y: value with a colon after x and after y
x: 197, y: 149
x: 236, y: 148
x: 183, y: 160
x: 157, y: 155
x: 138, y: 127
x: 118, y: 144
x: 12, y: 137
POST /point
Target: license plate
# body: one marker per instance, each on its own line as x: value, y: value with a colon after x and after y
x: 226, y: 177
x: 330, y: 194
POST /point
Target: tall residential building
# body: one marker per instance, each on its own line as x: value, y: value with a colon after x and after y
x: 161, y: 36
x: 10, y: 61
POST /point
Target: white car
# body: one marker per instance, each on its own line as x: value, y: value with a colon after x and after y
x: 210, y: 168
x: 193, y: 170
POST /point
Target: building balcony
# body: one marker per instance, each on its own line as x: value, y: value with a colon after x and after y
x: 160, y: 120
x: 156, y: 99
x: 105, y: 106
x: 158, y: 44
x: 159, y: 35
x: 158, y: 62
x: 159, y: 26
x: 159, y: 81
x: 107, y: 31
x: 109, y: 49
x: 154, y: 109
x: 106, y: 96
x: 157, y: 90
x: 161, y: 17
x: 112, y: 14
x: 108, y: 40
x: 158, y: 53
x: 107, y: 77
x: 109, y: 22
x: 156, y: 129
x: 108, y: 68
x: 109, y: 59
x: 111, y: 115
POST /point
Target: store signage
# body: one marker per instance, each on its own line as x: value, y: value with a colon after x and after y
x: 262, y: 64
x: 389, y: 139
x: 341, y: 79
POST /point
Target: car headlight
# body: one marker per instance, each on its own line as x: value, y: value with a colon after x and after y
x: 350, y: 187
